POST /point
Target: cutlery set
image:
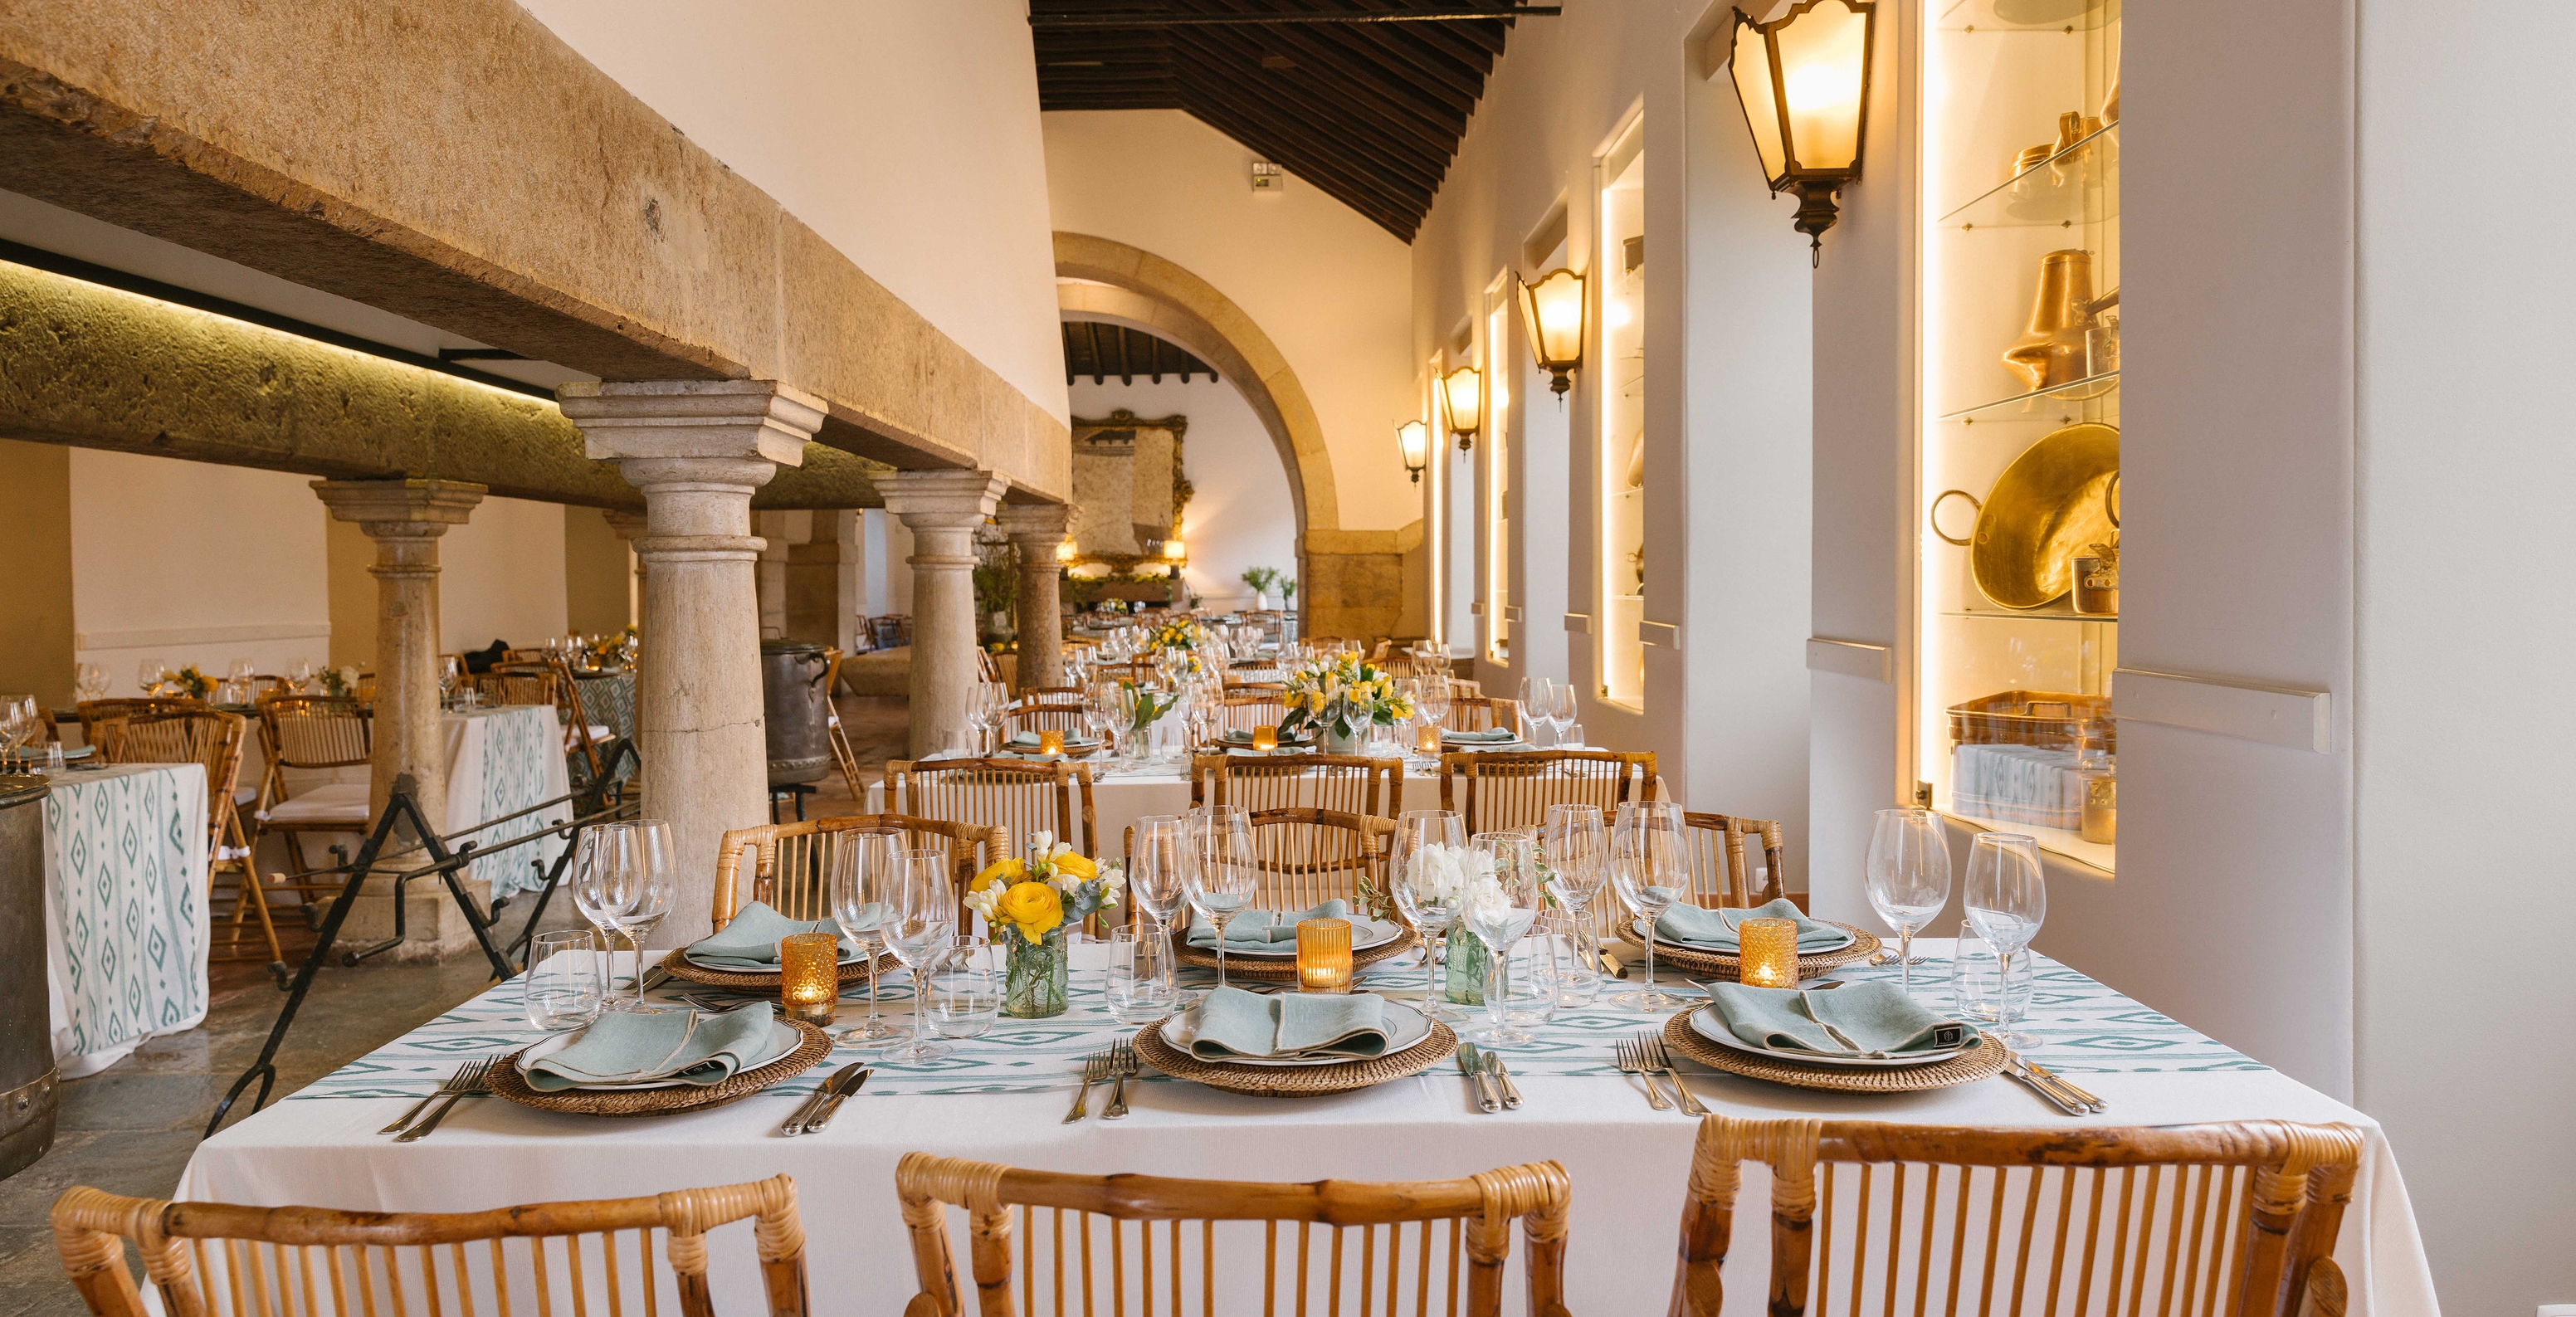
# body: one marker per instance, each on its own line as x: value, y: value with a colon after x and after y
x: 1114, y: 1068
x: 1485, y: 1072
x: 467, y: 1081
x: 818, y: 1110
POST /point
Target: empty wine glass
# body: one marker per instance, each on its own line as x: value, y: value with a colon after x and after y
x: 1576, y: 849
x: 920, y: 922
x: 149, y: 674
x: 964, y: 989
x: 1427, y: 868
x: 863, y: 876
x: 1561, y: 711
x: 1908, y: 875
x: 1536, y: 694
x: 593, y: 856
x: 18, y: 723
x: 450, y: 671
x: 2007, y: 900
x: 639, y: 880
x: 89, y: 681
x: 299, y: 676
x: 1503, y: 899
x: 1649, y: 868
x: 1219, y: 868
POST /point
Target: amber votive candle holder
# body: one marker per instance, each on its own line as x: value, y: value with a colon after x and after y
x: 1426, y: 738
x: 1050, y: 742
x: 1324, y: 955
x: 1265, y: 738
x: 1767, y: 956
x: 809, y: 976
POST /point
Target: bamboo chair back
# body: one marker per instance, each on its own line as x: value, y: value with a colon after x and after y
x: 1500, y: 790
x: 1309, y: 856
x: 2236, y: 1219
x: 986, y: 667
x: 1721, y: 862
x: 1122, y: 1243
x: 201, y: 735
x: 1235, y: 687
x: 1477, y: 713
x: 792, y: 863
x: 315, y: 731
x: 1140, y: 671
x: 95, y: 712
x: 837, y: 736
x: 1461, y: 688
x: 519, y: 683
x: 223, y: 1260
x: 1044, y: 713
x: 1347, y: 784
x: 1019, y: 796
x: 1242, y: 713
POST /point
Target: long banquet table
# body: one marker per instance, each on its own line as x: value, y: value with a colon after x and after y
x: 1003, y: 1096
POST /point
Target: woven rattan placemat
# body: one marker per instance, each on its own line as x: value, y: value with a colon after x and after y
x: 854, y: 972
x: 1978, y: 1062
x: 506, y: 1082
x: 1295, y: 1081
x: 1667, y: 952
x: 1279, y: 969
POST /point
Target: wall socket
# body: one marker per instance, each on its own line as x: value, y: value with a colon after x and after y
x: 1267, y: 177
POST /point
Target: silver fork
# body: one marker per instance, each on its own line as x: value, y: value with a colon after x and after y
x: 464, y: 1079
x: 1625, y: 1051
x: 1094, y: 1070
x: 482, y: 1070
x: 1661, y: 1058
x: 1122, y: 1067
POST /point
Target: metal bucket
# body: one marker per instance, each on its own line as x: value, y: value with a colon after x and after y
x: 796, y: 709
x: 27, y: 1080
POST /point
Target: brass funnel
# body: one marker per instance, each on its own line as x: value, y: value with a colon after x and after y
x: 2052, y: 353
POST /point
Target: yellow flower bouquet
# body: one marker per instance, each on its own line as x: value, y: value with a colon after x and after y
x: 1341, y: 698
x: 1029, y: 905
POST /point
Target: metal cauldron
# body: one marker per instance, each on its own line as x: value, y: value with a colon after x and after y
x: 796, y: 709
x: 28, y: 1083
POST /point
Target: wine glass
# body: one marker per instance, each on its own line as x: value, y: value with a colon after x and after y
x: 1427, y: 867
x: 963, y: 989
x: 1908, y: 874
x: 1576, y: 850
x: 863, y: 877
x: 1219, y: 868
x: 18, y: 723
x: 1503, y: 899
x: 920, y: 923
x: 1561, y: 710
x: 644, y: 880
x: 450, y: 671
x: 89, y: 681
x: 1649, y: 868
x: 1536, y: 693
x: 299, y: 676
x: 593, y: 856
x: 149, y: 674
x: 2007, y: 899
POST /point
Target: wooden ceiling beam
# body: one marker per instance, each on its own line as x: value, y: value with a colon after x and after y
x: 1328, y: 74
x: 1357, y: 143
x: 1326, y: 155
x: 1447, y: 38
x: 1369, y: 134
x: 1441, y: 104
x: 1396, y: 214
x: 1399, y: 56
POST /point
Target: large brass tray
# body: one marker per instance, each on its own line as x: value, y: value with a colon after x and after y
x: 2047, y: 507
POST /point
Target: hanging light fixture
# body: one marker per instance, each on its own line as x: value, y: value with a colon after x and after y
x: 1413, y: 439
x: 1463, y: 392
x: 1803, y: 79
x: 1552, y: 310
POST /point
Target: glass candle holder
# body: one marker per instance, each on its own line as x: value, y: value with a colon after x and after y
x: 1050, y: 742
x: 1265, y: 738
x: 1426, y: 738
x: 1324, y: 955
x: 1769, y: 954
x: 809, y: 976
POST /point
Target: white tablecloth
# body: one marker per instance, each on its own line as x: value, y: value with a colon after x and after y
x: 125, y: 909
x: 1003, y: 1097
x: 499, y: 760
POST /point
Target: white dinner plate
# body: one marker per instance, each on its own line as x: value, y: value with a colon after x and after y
x: 1072, y: 745
x: 855, y: 958
x: 1405, y: 1026
x: 783, y: 1039
x: 1377, y: 935
x: 1639, y: 926
x: 1705, y: 1023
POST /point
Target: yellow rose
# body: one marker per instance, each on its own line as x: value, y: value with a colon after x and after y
x: 1034, y: 908
x: 1004, y: 871
x: 1077, y: 866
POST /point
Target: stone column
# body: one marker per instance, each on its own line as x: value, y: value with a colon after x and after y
x: 697, y: 449
x: 1036, y: 530
x: 629, y: 525
x: 942, y: 510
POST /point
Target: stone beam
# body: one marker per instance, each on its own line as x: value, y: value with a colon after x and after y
x: 458, y: 164
x: 95, y: 367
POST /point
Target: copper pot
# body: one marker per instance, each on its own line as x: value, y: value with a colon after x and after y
x: 2052, y: 352
x: 2054, y: 502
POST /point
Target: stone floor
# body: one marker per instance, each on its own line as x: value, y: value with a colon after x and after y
x: 131, y: 1128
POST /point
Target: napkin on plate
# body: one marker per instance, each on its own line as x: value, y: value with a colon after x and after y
x: 622, y: 1047
x: 1234, y: 1023
x: 1489, y: 736
x: 1029, y: 740
x: 1714, y: 930
x: 749, y: 944
x: 1270, y: 930
x: 1876, y: 1017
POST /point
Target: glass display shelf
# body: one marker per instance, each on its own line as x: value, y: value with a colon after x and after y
x: 2066, y: 189
x: 2059, y: 841
x: 2088, y: 389
x: 2019, y: 16
x: 2058, y: 612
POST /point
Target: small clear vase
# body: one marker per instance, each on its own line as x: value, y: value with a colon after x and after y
x: 1033, y: 976
x: 1464, y: 983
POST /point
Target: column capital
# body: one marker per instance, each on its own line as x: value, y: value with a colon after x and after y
x: 1041, y: 524
x: 400, y: 509
x: 628, y: 523
x: 693, y: 418
x: 934, y: 499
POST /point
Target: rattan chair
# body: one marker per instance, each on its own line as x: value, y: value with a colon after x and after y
x: 1021, y: 797
x: 223, y: 1260
x: 1242, y: 713
x: 1721, y: 868
x: 198, y: 734
x: 1140, y: 671
x: 2237, y: 1219
x: 1053, y: 712
x: 792, y: 862
x: 313, y: 733
x: 518, y: 683
x: 1349, y: 784
x: 1499, y: 790
x: 1310, y: 856
x: 1477, y: 713
x: 1118, y: 1243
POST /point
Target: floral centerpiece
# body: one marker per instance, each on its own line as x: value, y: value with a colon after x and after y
x: 1341, y: 698
x: 192, y: 682
x: 339, y: 681
x: 1028, y: 905
x: 1180, y: 634
x: 1460, y: 878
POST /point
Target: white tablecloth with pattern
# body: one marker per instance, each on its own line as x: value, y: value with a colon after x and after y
x: 500, y: 759
x: 125, y: 909
x: 1003, y: 1096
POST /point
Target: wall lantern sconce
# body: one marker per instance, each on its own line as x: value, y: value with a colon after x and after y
x: 1463, y: 391
x: 1175, y: 551
x: 1414, y: 439
x: 1803, y: 79
x: 1065, y: 552
x: 1552, y: 311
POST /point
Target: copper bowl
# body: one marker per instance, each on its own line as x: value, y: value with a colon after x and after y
x: 2051, y: 504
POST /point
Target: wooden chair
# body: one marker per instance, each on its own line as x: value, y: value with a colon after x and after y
x: 1477, y: 713
x: 203, y: 735
x: 2237, y: 1219
x: 1242, y: 713
x: 838, y: 736
x: 1021, y: 797
x: 1721, y: 869
x: 1498, y: 790
x: 1460, y: 688
x: 517, y: 683
x: 1348, y: 784
x: 1310, y: 856
x: 1044, y: 713
x: 313, y: 733
x: 986, y: 668
x: 1270, y: 688
x: 1169, y: 1228
x: 792, y: 862
x: 223, y: 1260
x: 1140, y: 671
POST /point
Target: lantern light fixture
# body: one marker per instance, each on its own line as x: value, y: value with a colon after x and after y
x: 1552, y: 312
x: 1413, y: 439
x: 1803, y: 80
x: 1175, y: 551
x: 1064, y: 551
x: 1462, y: 394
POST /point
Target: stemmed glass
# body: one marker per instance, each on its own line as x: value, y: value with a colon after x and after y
x: 1498, y: 911
x: 1154, y: 873
x: 920, y: 925
x: 300, y: 676
x: 1908, y: 874
x: 643, y: 879
x: 1648, y: 868
x: 450, y: 672
x: 18, y: 723
x: 1219, y: 869
x: 1427, y: 866
x: 593, y: 854
x: 1560, y: 709
x: 149, y: 674
x: 1536, y: 695
x: 1577, y: 852
x: 2007, y: 899
x: 89, y: 681
x: 863, y: 878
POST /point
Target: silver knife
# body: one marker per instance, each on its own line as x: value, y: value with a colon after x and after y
x: 1503, y: 1078
x: 795, y: 1124
x: 2069, y: 1085
x: 842, y: 1086
x: 1485, y: 1099
x: 2054, y: 1098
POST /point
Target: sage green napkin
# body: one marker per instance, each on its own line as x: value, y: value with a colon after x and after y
x: 622, y: 1047
x: 1876, y: 1017
x: 1029, y: 740
x: 1276, y: 930
x: 1714, y: 930
x: 1234, y: 1023
x: 1489, y: 736
x: 750, y: 942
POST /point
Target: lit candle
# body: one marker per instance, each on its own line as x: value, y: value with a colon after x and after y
x: 1265, y: 738
x: 1324, y: 955
x: 1426, y: 738
x: 1769, y: 956
x: 1050, y: 742
x: 809, y: 976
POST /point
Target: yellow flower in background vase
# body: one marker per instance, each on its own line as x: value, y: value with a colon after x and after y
x: 1033, y: 908
x: 1002, y: 871
x: 1080, y: 867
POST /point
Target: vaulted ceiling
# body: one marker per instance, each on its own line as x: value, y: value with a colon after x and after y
x: 1364, y: 99
x: 1102, y: 350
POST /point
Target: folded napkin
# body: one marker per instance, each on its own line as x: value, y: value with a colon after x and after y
x: 1233, y: 1023
x: 1714, y: 930
x: 1489, y: 736
x: 1875, y: 1017
x: 750, y: 943
x: 622, y: 1047
x: 1029, y: 740
x: 1273, y: 930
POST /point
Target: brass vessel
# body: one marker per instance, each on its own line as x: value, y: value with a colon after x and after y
x: 2052, y: 352
x: 2051, y: 504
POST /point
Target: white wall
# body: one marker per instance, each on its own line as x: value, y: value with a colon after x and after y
x: 1328, y: 286
x: 904, y: 133
x: 1238, y: 514
x: 501, y: 576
